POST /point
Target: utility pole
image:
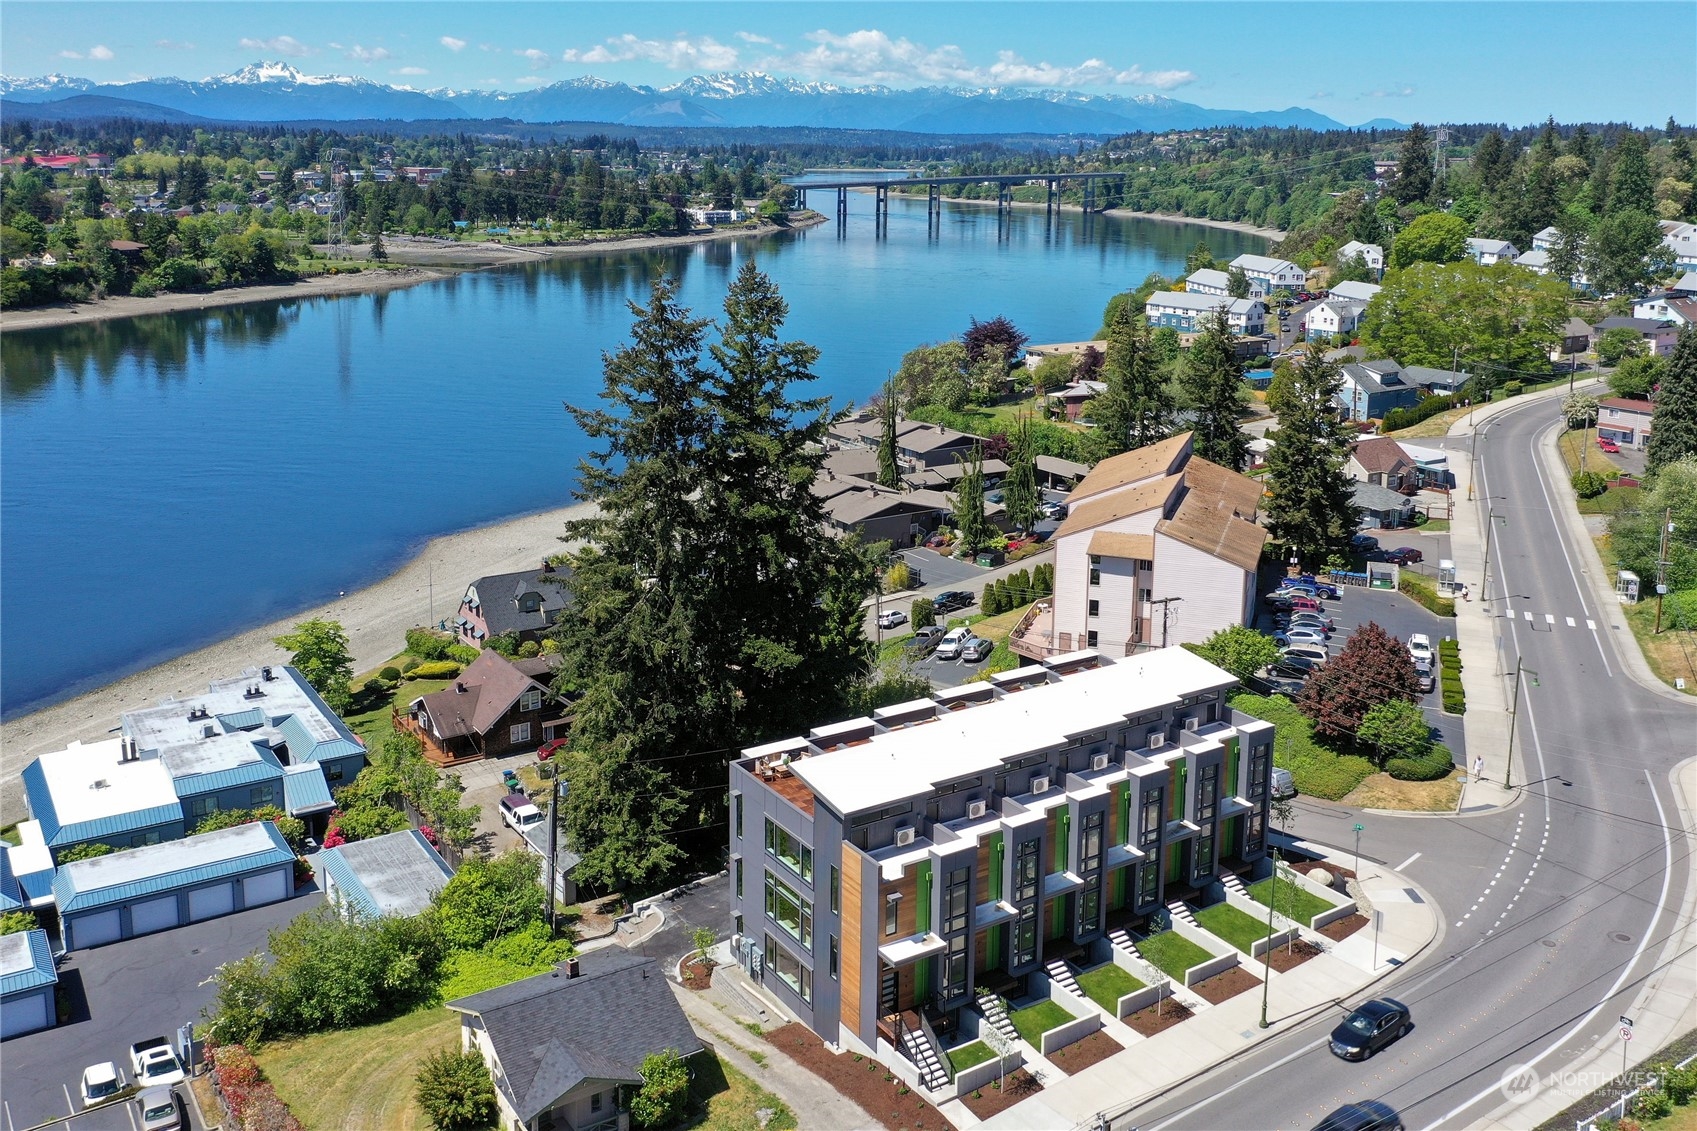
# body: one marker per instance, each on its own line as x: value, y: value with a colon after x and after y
x: 553, y: 849
x: 1491, y: 520
x: 1513, y: 712
x: 1662, y: 565
x: 1166, y: 603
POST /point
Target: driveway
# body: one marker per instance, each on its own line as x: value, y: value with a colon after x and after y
x: 126, y: 992
x: 708, y: 904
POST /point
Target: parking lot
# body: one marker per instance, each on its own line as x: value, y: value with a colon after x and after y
x: 126, y: 992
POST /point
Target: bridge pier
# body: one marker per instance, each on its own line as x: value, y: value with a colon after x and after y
x: 842, y: 209
x: 1090, y: 195
x: 933, y: 210
x: 881, y: 211
x: 798, y: 200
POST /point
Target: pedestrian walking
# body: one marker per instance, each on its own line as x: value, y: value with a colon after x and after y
x: 1479, y: 767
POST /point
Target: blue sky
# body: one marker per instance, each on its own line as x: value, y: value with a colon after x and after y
x: 1354, y: 59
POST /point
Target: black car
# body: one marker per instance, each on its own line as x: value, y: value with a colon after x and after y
x: 948, y: 602
x: 1370, y: 1028
x: 1296, y: 667
x: 1367, y: 1115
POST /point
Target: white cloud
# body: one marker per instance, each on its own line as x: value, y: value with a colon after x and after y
x: 1321, y: 94
x: 681, y: 54
x: 1403, y: 91
x: 750, y: 37
x: 172, y: 45
x: 539, y: 60
x: 410, y: 71
x: 870, y: 55
x: 529, y: 80
x: 279, y: 44
x: 100, y: 51
x: 451, y: 43
x: 70, y: 54
x: 368, y: 54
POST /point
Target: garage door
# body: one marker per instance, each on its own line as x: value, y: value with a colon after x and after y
x: 207, y: 902
x: 153, y: 915
x: 23, y: 1015
x: 92, y: 930
x: 268, y: 888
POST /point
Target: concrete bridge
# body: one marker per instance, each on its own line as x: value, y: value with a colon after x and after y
x: 1005, y: 183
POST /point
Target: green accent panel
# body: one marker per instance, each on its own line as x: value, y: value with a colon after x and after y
x: 1228, y: 836
x: 1116, y: 888
x: 993, y: 946
x: 1232, y: 767
x: 998, y: 852
x: 922, y: 913
x: 1063, y: 830
x: 1173, y: 852
x: 1057, y: 916
x: 1175, y: 803
x: 922, y: 979
x: 1122, y: 802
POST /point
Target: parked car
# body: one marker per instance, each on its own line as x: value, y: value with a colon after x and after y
x: 157, y: 1108
x: 1404, y: 555
x: 1294, y: 636
x: 1305, y: 619
x: 1297, y: 667
x: 1423, y: 672
x: 553, y: 746
x: 1313, y: 652
x: 1364, y: 1115
x: 519, y: 814
x: 976, y: 650
x: 936, y: 540
x: 1420, y: 647
x: 1283, y: 784
x: 100, y: 1082
x: 1370, y: 1028
x: 1301, y: 604
x: 952, y: 599
x: 1052, y: 510
x: 1607, y: 444
x: 1308, y: 581
x: 949, y: 648
x: 996, y: 497
x: 891, y: 618
x: 925, y: 639
x: 1363, y: 542
x: 155, y: 1063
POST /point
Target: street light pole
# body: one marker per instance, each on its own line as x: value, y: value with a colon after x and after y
x: 1491, y: 519
x: 1358, y: 829
x: 1272, y: 898
x: 1513, y: 712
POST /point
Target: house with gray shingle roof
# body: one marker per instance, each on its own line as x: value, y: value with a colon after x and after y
x: 523, y: 605
x: 496, y: 706
x: 562, y: 1046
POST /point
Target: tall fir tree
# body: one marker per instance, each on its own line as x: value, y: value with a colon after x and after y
x: 1630, y: 186
x: 972, y: 528
x: 889, y: 412
x: 1019, y: 489
x: 1414, y: 167
x: 1311, y: 506
x: 1673, y: 428
x: 1213, y: 386
x: 1136, y: 408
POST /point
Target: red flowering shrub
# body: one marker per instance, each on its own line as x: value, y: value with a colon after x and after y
x: 252, y: 1101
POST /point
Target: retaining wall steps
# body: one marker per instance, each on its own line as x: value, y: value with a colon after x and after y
x: 1060, y: 972
x: 995, y: 1011
x: 924, y: 1056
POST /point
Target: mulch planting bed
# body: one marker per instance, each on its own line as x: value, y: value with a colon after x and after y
x: 861, y: 1080
x: 1146, y: 1022
x: 1227, y: 985
x: 697, y: 975
x: 1080, y: 1055
x: 1288, y: 958
x: 1344, y: 928
x: 989, y: 1099
x: 1307, y: 866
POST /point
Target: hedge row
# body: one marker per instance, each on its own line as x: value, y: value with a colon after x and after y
x: 1449, y: 676
x: 1317, y: 770
x: 1434, y: 764
x: 1425, y: 594
x: 1398, y: 418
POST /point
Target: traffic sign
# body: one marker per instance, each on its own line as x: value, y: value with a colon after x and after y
x: 1625, y: 1033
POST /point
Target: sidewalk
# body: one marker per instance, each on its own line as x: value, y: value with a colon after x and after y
x: 1407, y: 921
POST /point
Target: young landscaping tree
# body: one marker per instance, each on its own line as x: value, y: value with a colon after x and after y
x: 702, y: 938
x: 454, y: 1090
x: 1239, y: 650
x: 1213, y: 385
x: 972, y: 528
x: 1374, y: 667
x: 1311, y: 507
x: 1395, y: 729
x: 665, y: 1088
x: 489, y: 897
x: 1019, y: 489
x: 889, y: 410
x: 320, y: 654
x: 1136, y: 408
x: 1579, y: 410
x: 1673, y: 428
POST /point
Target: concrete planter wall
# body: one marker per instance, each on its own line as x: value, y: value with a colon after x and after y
x: 895, y: 1061
x: 1343, y: 906
x: 983, y: 1075
x: 1202, y: 971
x: 1210, y: 943
x: 1284, y: 937
x: 1138, y: 1000
x: 1061, y: 1036
x: 1332, y: 916
x: 1258, y: 910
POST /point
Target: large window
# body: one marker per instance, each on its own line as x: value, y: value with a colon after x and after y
x: 262, y: 795
x: 954, y: 968
x: 892, y: 913
x: 1204, y: 863
x: 1149, y: 822
x: 518, y: 734
x: 202, y: 806
x: 531, y: 700
x: 836, y: 890
x: 786, y: 847
x: 1257, y: 772
x: 957, y: 905
x: 737, y: 865
x: 1207, y: 792
x: 789, y: 968
x: 1148, y: 884
x: 1090, y: 856
x: 1026, y: 868
x: 1089, y: 910
x: 1256, y: 833
x: 1025, y: 937
x: 736, y: 813
x: 791, y: 912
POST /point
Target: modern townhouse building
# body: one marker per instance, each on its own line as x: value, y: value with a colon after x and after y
x: 887, y: 869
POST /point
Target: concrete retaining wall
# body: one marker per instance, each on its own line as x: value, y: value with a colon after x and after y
x: 1259, y: 911
x: 1063, y: 1035
x: 1343, y: 905
x: 980, y: 1075
x: 1142, y: 999
x: 1263, y: 945
x: 1202, y: 971
x: 1213, y: 945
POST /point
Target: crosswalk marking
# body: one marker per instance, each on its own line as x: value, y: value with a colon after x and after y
x: 1591, y: 624
x: 1528, y: 618
x: 1550, y: 618
x: 1570, y: 623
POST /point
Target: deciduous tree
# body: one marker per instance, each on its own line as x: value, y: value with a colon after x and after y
x: 454, y: 1090
x: 319, y: 650
x: 1374, y: 667
x: 1240, y: 650
x: 1436, y: 237
x: 1395, y: 729
x: 1625, y: 253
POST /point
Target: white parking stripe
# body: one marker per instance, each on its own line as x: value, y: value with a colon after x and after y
x: 1528, y: 617
x: 1590, y: 624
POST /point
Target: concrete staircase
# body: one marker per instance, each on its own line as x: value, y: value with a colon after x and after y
x: 1060, y: 973
x: 1180, y: 912
x: 995, y: 1011
x: 917, y: 1046
x: 1121, y: 940
x: 1231, y: 883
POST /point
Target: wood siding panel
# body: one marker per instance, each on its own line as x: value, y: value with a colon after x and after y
x: 854, y: 953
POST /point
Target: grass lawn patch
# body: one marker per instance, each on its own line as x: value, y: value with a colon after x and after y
x: 996, y: 628
x: 1381, y: 791
x: 1172, y: 953
x: 1612, y: 501
x: 1670, y: 653
x: 723, y: 1099
x: 1438, y: 425
x: 1433, y: 526
x: 360, y: 1077
x: 1294, y: 902
x: 1106, y: 984
x: 9, y: 834
x: 377, y: 723
x: 1596, y: 459
x: 965, y: 1056
x: 1318, y: 770
x: 1035, y: 1020
x: 1239, y: 928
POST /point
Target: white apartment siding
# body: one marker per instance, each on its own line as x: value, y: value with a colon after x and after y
x: 1072, y: 581
x: 1116, y: 599
x: 1213, y: 593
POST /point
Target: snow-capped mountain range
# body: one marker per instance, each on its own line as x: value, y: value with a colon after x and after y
x: 278, y: 92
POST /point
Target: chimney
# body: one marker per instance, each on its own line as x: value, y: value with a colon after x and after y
x: 547, y: 566
x: 127, y: 749
x: 265, y: 674
x: 573, y: 969
x: 459, y: 687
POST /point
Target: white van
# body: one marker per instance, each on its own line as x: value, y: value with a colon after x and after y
x: 519, y: 813
x: 1283, y: 784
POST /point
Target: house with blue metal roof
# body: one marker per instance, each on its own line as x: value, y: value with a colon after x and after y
x: 172, y: 883
x: 29, y: 866
x: 28, y: 979
x: 393, y: 874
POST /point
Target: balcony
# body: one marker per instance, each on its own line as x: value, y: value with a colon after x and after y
x: 905, y: 952
x: 1035, y: 638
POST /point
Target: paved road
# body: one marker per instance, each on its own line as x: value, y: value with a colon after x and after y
x: 1556, y: 910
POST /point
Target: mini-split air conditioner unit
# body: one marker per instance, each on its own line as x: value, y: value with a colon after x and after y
x: 1040, y: 785
x: 974, y: 809
x: 1099, y: 762
x: 1157, y: 739
x: 904, y: 835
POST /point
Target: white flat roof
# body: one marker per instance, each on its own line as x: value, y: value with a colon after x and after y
x: 910, y: 762
x: 88, y: 782
x: 167, y: 725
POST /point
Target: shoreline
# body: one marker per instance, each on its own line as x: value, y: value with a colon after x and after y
x: 417, y: 262
x: 375, y: 618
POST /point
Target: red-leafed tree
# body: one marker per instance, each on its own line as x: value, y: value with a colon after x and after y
x: 1373, y: 668
x: 996, y: 333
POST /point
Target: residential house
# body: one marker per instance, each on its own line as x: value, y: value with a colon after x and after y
x: 1431, y: 465
x: 28, y: 981
x: 1146, y: 530
x: 886, y: 869
x: 1371, y: 254
x: 1361, y: 292
x: 394, y: 874
x: 1384, y: 172
x: 253, y: 741
x: 1381, y: 507
x: 1380, y: 460
x: 1659, y: 337
x: 1685, y: 287
x: 522, y: 605
x: 565, y: 1049
x: 1070, y: 401
x: 1575, y: 338
x: 1372, y: 388
x: 1208, y: 281
x: 866, y: 430
x: 1546, y: 239
x: 1487, y: 252
x: 1059, y: 474
x: 1666, y: 306
x: 1035, y: 355
x: 880, y: 514
x: 26, y: 871
x: 1626, y: 422
x: 1334, y: 316
x: 1681, y: 240
x: 853, y: 463
x: 1267, y: 274
x: 1187, y: 313
x: 496, y: 706
x: 932, y: 445
x: 1534, y: 260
